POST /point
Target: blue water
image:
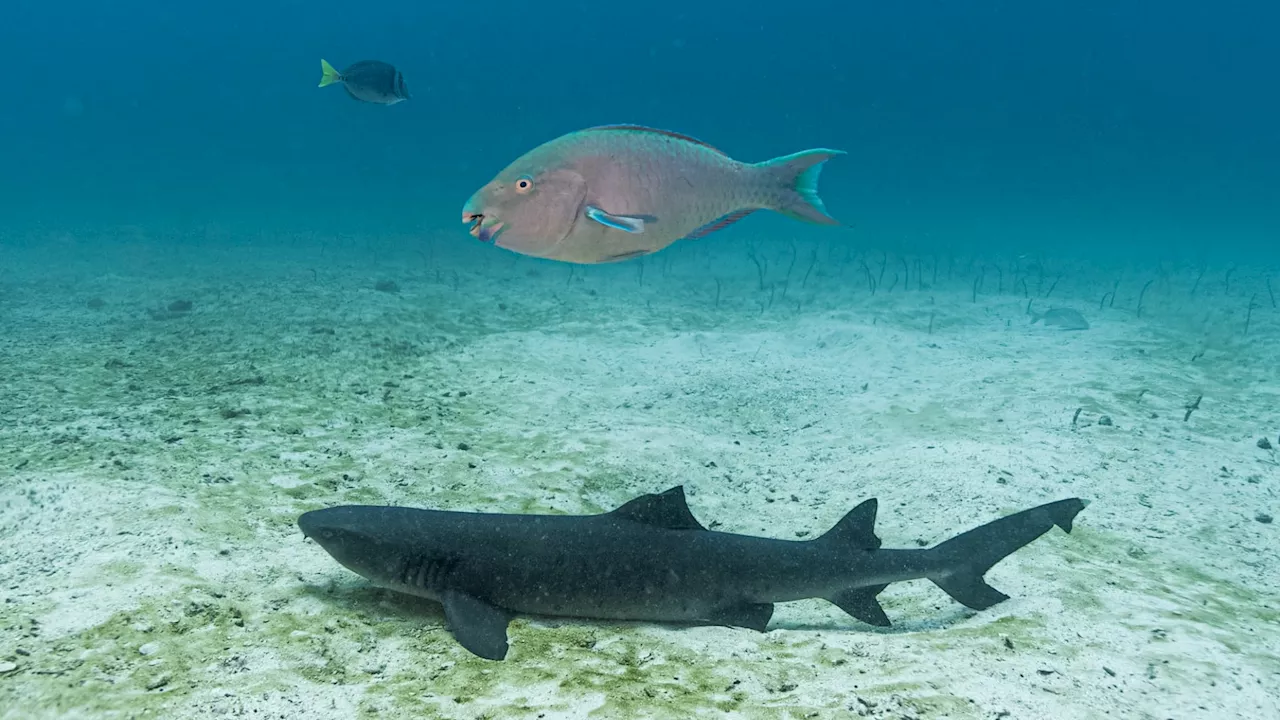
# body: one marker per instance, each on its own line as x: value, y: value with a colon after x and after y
x: 1090, y: 124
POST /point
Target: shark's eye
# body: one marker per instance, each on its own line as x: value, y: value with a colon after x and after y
x: 524, y: 184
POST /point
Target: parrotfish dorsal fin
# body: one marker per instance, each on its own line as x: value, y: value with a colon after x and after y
x: 858, y: 528
x: 665, y: 510
x: 668, y: 133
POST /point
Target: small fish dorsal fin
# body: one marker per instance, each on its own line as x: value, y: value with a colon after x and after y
x: 668, y: 133
x: 665, y: 510
x: 857, y: 528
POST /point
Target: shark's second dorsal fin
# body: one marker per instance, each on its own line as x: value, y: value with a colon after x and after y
x: 858, y: 528
x: 665, y: 510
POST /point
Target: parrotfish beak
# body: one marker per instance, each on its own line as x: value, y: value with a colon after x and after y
x: 482, y: 228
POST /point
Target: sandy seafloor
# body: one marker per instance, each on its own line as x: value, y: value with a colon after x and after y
x: 152, y: 467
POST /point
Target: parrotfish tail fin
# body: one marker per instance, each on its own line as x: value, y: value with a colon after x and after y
x: 796, y: 177
x: 328, y: 75
x: 1035, y: 316
x: 965, y: 558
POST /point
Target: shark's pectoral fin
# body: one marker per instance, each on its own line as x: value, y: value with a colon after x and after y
x: 754, y: 616
x: 633, y: 224
x: 861, y: 603
x: 477, y: 625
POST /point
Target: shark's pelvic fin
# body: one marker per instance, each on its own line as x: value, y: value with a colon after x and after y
x: 861, y: 603
x: 477, y: 625
x: 665, y: 510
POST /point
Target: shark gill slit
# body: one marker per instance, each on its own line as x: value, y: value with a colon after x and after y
x: 421, y: 571
x: 405, y: 576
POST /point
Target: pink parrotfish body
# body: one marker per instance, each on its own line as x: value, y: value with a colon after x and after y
x: 616, y: 192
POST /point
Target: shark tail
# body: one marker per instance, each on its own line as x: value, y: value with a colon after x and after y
x: 965, y: 558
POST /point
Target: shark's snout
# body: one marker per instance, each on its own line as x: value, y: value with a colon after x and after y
x: 312, y: 524
x: 323, y: 526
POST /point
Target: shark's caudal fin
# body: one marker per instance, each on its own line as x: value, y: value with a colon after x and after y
x: 965, y: 558
x: 795, y: 177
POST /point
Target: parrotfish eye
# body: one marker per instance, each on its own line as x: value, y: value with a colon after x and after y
x: 524, y: 184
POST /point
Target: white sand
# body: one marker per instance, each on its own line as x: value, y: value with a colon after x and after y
x: 151, y: 471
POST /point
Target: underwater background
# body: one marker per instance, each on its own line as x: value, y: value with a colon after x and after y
x: 1051, y: 123
x: 229, y: 296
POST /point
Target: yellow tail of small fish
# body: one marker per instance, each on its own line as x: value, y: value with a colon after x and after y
x: 328, y: 75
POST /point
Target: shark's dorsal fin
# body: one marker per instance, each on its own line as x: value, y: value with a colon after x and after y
x: 858, y: 528
x: 665, y: 510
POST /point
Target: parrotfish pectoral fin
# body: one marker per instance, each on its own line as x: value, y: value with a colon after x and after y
x: 796, y: 179
x: 477, y: 625
x: 633, y: 225
x: 328, y: 75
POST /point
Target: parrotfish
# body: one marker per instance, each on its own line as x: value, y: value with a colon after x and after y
x: 617, y: 192
x: 372, y: 81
